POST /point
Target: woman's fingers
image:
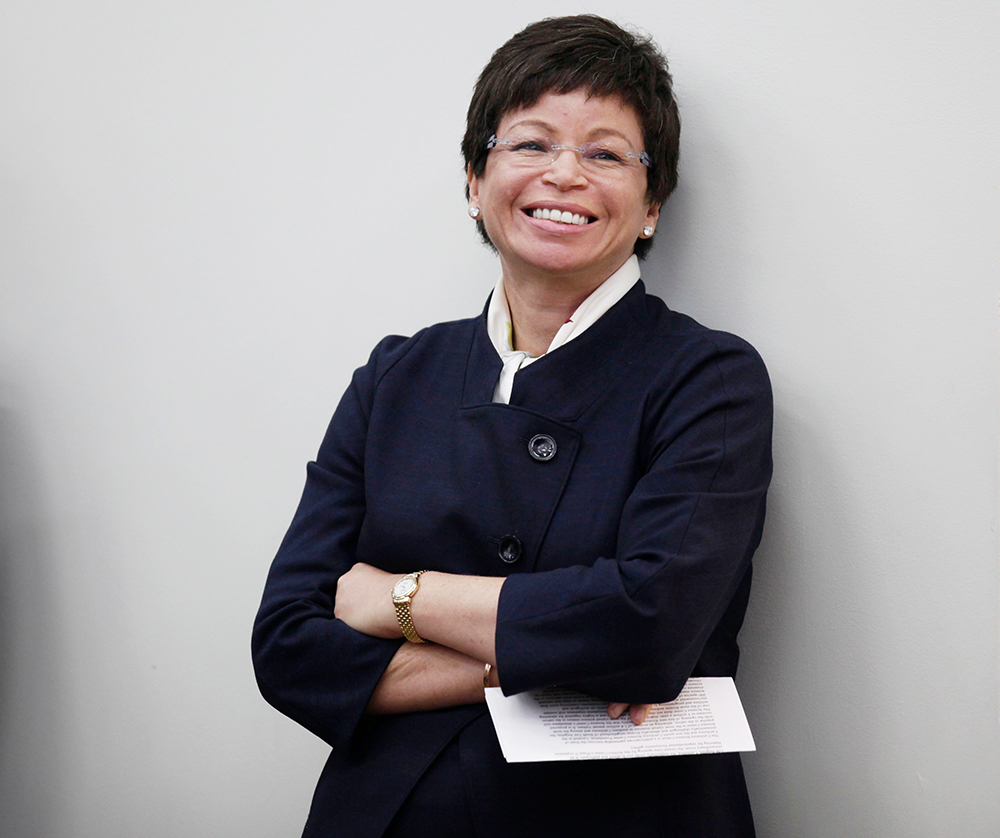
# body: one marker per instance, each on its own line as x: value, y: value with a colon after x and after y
x: 637, y: 712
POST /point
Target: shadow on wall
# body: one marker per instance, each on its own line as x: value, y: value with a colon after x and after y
x: 29, y: 678
x: 810, y: 678
x: 661, y: 269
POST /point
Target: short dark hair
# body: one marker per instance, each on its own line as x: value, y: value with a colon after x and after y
x: 582, y: 52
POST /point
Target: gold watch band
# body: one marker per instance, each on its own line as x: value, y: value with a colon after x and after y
x: 403, y: 615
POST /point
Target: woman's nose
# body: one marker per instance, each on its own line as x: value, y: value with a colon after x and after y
x: 566, y: 169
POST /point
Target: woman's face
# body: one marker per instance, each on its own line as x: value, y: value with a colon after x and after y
x: 614, y: 200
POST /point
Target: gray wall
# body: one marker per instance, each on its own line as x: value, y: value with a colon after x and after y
x: 209, y: 213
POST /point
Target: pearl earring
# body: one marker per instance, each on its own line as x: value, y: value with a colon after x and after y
x: 647, y: 231
x: 474, y: 212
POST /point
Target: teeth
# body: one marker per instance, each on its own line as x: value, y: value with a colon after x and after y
x: 562, y: 217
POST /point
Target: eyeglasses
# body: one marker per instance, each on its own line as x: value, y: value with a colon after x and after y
x: 605, y: 157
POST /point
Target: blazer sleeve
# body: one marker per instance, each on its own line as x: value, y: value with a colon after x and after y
x: 309, y: 665
x: 632, y: 627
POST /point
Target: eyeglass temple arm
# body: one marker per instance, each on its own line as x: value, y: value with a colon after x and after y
x: 642, y: 156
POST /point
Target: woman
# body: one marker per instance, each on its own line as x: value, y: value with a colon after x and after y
x: 565, y: 490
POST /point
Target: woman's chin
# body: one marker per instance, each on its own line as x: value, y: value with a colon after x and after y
x: 563, y: 258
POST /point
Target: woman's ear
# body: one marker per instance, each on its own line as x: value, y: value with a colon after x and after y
x: 653, y: 214
x: 473, y: 186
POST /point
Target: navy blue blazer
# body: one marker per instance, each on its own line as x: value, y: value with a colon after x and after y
x: 627, y: 556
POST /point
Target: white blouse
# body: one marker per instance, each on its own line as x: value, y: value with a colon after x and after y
x: 501, y: 331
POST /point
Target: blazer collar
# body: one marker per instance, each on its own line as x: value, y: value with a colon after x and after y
x: 563, y: 383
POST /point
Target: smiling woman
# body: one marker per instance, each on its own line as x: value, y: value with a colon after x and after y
x: 567, y: 489
x: 596, y: 200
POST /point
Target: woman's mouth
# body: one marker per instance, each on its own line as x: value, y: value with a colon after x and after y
x: 563, y: 217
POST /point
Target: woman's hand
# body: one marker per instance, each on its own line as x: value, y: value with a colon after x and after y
x: 449, y: 609
x: 427, y: 676
x: 364, y: 601
x: 636, y: 712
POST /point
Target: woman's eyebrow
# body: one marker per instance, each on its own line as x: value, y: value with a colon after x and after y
x: 609, y: 132
x: 532, y: 123
x: 540, y: 124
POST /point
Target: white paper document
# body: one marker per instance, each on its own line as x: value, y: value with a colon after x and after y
x: 559, y: 724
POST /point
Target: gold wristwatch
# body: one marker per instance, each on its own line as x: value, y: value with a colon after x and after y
x: 402, y: 596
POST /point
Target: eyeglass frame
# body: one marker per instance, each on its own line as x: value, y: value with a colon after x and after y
x: 642, y: 156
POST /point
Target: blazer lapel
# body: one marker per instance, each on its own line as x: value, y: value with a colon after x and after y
x: 564, y: 383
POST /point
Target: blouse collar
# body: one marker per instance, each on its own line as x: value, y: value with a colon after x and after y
x: 500, y: 327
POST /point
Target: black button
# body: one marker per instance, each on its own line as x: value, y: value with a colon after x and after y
x: 510, y: 549
x: 542, y: 447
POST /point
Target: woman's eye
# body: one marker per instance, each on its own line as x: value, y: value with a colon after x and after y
x: 605, y: 155
x: 530, y: 145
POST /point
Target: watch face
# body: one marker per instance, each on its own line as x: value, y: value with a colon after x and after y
x: 404, y: 587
